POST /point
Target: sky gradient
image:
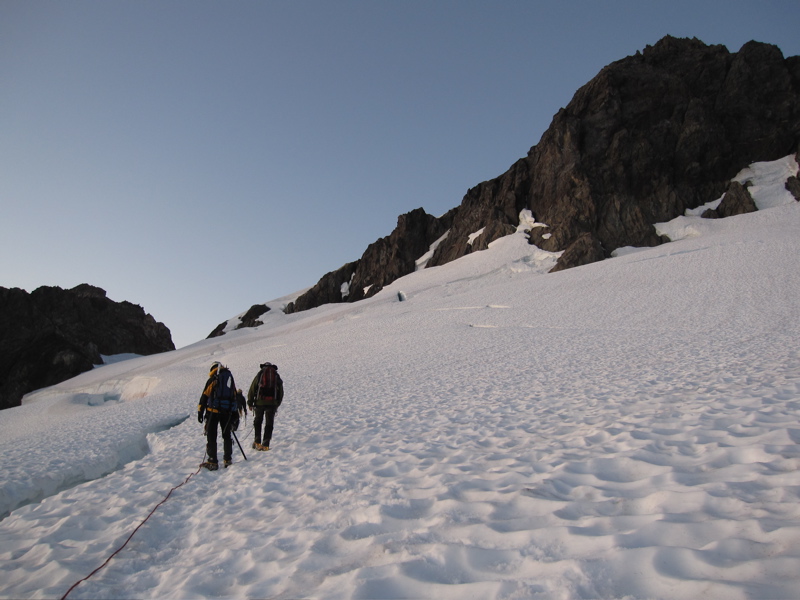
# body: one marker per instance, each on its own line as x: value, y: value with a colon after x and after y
x: 200, y: 157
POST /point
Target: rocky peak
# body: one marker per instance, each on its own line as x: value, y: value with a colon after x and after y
x: 52, y: 334
x: 84, y: 290
x: 650, y: 136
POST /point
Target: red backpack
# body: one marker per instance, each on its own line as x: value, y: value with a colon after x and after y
x: 268, y: 383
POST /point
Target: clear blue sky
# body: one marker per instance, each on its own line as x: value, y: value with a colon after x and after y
x: 199, y: 157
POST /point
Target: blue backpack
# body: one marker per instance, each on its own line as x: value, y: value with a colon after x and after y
x: 224, y: 399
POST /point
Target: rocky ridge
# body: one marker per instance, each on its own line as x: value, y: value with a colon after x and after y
x: 52, y: 334
x: 649, y: 137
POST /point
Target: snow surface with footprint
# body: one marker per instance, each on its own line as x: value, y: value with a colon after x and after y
x: 627, y: 429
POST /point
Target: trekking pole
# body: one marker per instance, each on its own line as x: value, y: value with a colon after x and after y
x: 238, y: 444
x: 233, y: 433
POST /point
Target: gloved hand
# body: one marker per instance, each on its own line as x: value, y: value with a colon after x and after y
x: 200, y: 415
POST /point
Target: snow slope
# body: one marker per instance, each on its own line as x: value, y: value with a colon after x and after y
x: 630, y: 428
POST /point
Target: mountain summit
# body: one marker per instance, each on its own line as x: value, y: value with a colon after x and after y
x: 651, y: 136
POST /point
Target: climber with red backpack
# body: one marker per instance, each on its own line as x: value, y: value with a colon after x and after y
x: 264, y: 398
x: 221, y: 404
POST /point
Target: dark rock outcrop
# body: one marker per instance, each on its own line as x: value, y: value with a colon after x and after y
x: 249, y: 319
x: 584, y: 250
x: 793, y: 186
x: 383, y: 262
x: 736, y: 201
x: 329, y: 289
x: 52, y: 334
x: 650, y: 136
x: 218, y: 330
x: 395, y: 256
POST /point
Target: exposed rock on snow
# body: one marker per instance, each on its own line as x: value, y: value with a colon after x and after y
x: 736, y: 201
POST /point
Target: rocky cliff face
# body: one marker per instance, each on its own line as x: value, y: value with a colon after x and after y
x: 383, y: 262
x: 653, y: 135
x: 52, y: 334
x: 650, y: 136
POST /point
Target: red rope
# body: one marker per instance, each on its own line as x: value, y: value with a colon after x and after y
x: 118, y: 550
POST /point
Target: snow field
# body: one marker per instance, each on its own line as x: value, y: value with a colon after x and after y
x: 627, y: 429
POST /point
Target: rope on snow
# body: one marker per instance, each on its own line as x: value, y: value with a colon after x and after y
x: 118, y: 550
